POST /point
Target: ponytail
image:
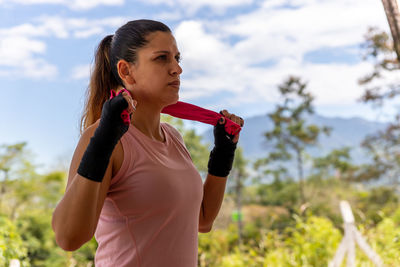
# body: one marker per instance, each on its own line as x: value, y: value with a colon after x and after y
x: 101, y: 81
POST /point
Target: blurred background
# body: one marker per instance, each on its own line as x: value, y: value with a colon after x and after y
x: 317, y: 82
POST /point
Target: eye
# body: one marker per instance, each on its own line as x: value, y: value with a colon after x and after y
x: 162, y: 57
x: 178, y: 58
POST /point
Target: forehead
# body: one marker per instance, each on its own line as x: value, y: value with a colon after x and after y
x: 160, y: 41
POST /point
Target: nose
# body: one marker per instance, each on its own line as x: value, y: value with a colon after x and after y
x: 176, y: 69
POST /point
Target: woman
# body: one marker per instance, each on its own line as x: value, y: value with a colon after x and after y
x: 134, y: 185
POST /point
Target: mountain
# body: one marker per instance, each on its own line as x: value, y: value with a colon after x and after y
x: 345, y: 132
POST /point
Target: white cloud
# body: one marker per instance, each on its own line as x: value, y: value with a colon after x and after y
x: 74, y: 4
x: 329, y: 24
x: 61, y: 27
x: 13, y: 50
x: 228, y: 54
x: 19, y: 55
x: 88, y: 32
x: 31, y: 2
x: 280, y: 35
x: 46, y: 26
x: 38, y: 68
x: 201, y: 49
x: 88, y: 4
x: 23, y: 48
x: 190, y: 7
x: 81, y: 72
x: 169, y: 15
x: 330, y: 83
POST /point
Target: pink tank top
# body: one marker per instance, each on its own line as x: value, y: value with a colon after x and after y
x: 150, y: 217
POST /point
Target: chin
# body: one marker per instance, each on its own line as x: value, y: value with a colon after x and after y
x: 171, y: 101
x: 176, y: 100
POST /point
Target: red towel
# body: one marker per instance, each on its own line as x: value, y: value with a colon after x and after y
x: 188, y: 111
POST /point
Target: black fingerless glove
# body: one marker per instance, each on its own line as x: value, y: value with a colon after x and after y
x: 111, y: 128
x: 222, y: 155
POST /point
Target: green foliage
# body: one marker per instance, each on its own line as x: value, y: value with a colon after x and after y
x: 309, y: 243
x: 373, y: 205
x: 312, y: 242
x: 27, y: 203
x: 11, y: 243
x: 279, y: 193
x: 215, y: 244
x: 336, y: 163
x: 385, y: 239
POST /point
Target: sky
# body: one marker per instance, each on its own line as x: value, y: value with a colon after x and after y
x: 234, y: 55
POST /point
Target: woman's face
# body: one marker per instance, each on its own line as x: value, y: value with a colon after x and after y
x: 156, y: 71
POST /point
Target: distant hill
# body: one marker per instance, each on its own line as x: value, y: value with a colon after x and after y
x: 345, y: 132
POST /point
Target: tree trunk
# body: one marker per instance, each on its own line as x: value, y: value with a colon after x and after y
x: 3, y: 185
x: 300, y: 175
x: 393, y: 17
x: 238, y: 188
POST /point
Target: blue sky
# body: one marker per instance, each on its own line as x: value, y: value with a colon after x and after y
x: 234, y: 54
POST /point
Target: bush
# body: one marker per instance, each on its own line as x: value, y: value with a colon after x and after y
x: 11, y: 244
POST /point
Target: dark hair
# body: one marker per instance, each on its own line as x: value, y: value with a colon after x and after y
x: 122, y: 45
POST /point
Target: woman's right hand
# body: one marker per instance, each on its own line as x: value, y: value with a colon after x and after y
x: 106, y: 136
x: 115, y: 112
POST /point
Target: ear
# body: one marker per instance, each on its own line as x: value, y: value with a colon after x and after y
x: 125, y: 72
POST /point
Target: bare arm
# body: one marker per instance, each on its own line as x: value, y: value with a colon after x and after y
x: 214, y: 186
x: 214, y: 189
x: 76, y: 215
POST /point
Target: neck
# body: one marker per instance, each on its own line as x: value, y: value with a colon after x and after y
x: 146, y: 119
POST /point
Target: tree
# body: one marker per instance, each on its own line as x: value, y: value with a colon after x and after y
x: 9, y: 155
x: 336, y: 163
x: 238, y: 176
x: 379, y: 47
x: 384, y: 146
x: 16, y: 171
x: 290, y: 134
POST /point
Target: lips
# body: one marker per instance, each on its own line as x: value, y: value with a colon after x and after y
x: 175, y: 83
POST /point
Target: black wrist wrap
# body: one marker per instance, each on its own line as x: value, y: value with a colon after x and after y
x: 111, y: 128
x: 222, y: 155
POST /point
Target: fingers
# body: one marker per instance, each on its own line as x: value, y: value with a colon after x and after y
x: 236, y: 119
x: 131, y: 102
x: 236, y: 138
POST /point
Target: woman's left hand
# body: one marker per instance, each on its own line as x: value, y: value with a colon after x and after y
x: 235, y: 119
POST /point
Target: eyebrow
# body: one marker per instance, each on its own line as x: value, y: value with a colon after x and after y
x: 165, y: 51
